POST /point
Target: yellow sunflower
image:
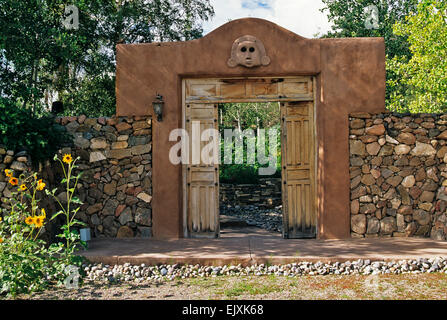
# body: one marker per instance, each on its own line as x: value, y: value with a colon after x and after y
x: 40, y: 185
x: 38, y: 221
x: 29, y: 220
x: 14, y: 181
x: 22, y: 187
x: 67, y: 158
x: 8, y: 173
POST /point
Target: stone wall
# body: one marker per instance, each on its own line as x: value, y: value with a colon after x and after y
x: 266, y: 193
x: 398, y: 175
x: 18, y: 162
x: 116, y: 161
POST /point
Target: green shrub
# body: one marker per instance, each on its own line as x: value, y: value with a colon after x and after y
x: 20, y: 130
x: 238, y: 173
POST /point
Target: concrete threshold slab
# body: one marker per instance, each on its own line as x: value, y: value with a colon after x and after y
x: 280, y: 251
x: 262, y: 248
x: 183, y: 251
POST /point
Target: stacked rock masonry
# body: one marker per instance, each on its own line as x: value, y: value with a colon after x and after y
x: 266, y: 193
x: 398, y: 175
x: 398, y: 172
x: 116, y: 185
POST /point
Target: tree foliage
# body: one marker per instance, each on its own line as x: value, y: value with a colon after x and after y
x: 252, y: 116
x: 20, y: 131
x: 348, y: 19
x: 42, y: 61
x: 422, y: 81
x: 249, y: 115
x: 35, y: 48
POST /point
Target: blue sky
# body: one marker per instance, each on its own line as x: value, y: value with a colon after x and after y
x: 300, y: 16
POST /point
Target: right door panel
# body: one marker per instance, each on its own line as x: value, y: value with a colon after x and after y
x: 298, y: 174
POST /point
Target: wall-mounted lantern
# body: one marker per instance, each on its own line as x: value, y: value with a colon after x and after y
x: 158, y: 104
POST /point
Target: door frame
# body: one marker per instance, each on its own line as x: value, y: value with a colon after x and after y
x: 279, y: 99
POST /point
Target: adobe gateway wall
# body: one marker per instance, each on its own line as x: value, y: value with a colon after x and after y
x: 350, y: 77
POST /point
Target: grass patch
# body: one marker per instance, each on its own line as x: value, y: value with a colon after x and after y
x: 357, y: 287
x: 251, y: 288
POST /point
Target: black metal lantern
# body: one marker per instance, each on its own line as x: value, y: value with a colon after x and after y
x: 158, y: 104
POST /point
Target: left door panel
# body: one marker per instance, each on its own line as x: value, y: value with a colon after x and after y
x: 202, y: 172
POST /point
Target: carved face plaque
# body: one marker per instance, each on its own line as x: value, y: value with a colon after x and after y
x: 249, y: 52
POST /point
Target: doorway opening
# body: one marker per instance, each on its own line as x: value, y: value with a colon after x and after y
x: 250, y: 200
x: 203, y: 102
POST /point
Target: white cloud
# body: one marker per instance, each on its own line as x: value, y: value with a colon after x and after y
x: 300, y: 16
x: 254, y: 4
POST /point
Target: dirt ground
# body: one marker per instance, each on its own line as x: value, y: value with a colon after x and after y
x: 331, y: 287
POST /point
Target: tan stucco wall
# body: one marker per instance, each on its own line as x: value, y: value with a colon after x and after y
x: 350, y: 78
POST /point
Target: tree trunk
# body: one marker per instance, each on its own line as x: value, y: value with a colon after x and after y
x: 238, y: 121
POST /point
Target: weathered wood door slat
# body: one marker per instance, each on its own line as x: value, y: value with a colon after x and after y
x: 297, y: 144
x: 249, y: 90
x: 202, y: 174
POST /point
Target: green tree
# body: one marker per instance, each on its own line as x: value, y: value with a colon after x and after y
x: 348, y: 19
x: 35, y: 48
x: 249, y: 115
x: 422, y: 84
x: 42, y: 61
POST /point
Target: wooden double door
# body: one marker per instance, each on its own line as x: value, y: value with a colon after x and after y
x: 201, y: 173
